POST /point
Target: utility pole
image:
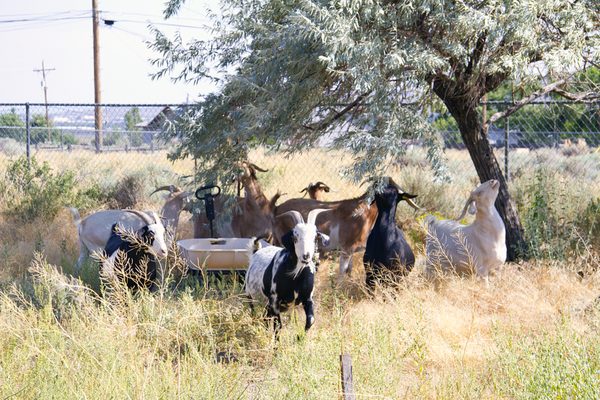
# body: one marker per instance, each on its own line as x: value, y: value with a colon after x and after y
x: 97, y: 100
x: 45, y: 86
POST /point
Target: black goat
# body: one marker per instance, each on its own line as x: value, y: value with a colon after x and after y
x: 137, y: 256
x: 387, y: 248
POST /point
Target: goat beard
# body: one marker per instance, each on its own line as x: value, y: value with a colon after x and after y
x: 299, y: 267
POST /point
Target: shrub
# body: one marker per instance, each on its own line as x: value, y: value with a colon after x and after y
x: 33, y: 190
x: 570, y: 148
x: 127, y: 192
x: 588, y: 222
x: 549, y: 235
x: 11, y: 147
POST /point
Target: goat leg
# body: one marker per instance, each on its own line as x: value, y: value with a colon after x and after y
x: 310, y: 313
x: 274, y: 314
x: 345, y: 264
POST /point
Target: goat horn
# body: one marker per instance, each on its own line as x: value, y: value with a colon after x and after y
x: 369, y: 179
x: 409, y: 201
x: 145, y: 217
x: 464, y: 211
x: 304, y: 190
x: 413, y: 204
x: 294, y: 214
x: 312, y: 215
x: 170, y: 188
x: 256, y: 167
x: 324, y: 186
x: 157, y: 219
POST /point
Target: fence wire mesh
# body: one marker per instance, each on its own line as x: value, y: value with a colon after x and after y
x: 559, y: 135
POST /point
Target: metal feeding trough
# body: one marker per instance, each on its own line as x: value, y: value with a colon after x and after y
x: 215, y: 255
x: 229, y: 254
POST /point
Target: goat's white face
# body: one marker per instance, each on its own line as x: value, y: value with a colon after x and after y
x: 159, y: 245
x: 305, y: 236
x: 305, y: 239
x: 485, y: 194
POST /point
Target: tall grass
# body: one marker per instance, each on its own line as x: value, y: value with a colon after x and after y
x: 532, y: 334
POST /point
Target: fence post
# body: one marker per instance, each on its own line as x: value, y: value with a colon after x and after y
x: 28, y: 134
x: 347, y: 386
x: 506, y: 148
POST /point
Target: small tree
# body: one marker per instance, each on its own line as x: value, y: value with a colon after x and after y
x: 11, y: 126
x: 364, y: 70
x: 132, y: 119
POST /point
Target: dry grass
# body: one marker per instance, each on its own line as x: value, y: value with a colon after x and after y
x: 533, y: 333
x: 461, y: 341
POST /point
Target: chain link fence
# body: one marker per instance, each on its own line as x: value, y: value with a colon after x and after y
x: 555, y: 134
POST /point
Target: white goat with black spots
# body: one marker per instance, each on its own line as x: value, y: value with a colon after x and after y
x: 285, y: 276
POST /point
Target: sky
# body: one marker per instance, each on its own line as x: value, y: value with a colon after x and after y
x: 59, y: 32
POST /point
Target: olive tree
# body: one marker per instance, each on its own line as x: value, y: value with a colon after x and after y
x: 363, y: 71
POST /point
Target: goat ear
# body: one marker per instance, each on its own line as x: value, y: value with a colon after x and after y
x: 287, y: 241
x: 472, y: 208
x: 405, y: 196
x: 324, y: 238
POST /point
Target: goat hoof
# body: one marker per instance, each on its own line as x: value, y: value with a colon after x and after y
x: 309, y: 322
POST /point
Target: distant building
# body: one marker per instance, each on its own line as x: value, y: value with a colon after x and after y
x: 156, y: 124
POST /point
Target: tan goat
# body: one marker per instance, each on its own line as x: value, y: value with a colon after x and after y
x: 316, y: 190
x: 251, y: 216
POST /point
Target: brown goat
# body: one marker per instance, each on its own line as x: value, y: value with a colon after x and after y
x: 316, y: 191
x: 251, y: 215
x: 347, y: 222
x: 254, y: 214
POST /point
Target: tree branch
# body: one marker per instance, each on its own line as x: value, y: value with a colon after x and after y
x: 332, y: 118
x: 518, y: 105
x: 586, y: 97
x: 477, y: 53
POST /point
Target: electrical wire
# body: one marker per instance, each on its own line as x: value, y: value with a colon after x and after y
x: 148, y: 22
x: 11, y: 21
x: 31, y: 15
x: 36, y: 25
x: 153, y: 16
x: 139, y: 35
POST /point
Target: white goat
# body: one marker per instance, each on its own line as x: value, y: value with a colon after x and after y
x: 95, y: 229
x: 479, y: 247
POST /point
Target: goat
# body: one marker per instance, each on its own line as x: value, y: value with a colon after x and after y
x: 251, y: 215
x: 136, y: 253
x: 348, y: 223
x: 95, y: 229
x: 285, y: 276
x: 316, y: 191
x: 479, y: 247
x: 387, y: 247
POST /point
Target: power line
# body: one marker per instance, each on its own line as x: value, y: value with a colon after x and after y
x: 39, y: 25
x: 153, y: 16
x: 12, y: 21
x: 158, y: 23
x: 139, y: 35
x: 31, y: 15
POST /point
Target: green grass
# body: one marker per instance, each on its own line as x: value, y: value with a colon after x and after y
x: 532, y: 334
x: 60, y: 339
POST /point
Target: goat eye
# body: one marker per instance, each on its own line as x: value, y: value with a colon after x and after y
x: 295, y: 239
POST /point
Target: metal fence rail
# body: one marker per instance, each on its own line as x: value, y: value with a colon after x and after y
x: 58, y: 133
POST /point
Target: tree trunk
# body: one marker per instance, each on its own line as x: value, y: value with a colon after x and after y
x: 486, y: 165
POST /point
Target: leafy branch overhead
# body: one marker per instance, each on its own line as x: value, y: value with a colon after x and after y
x: 362, y: 72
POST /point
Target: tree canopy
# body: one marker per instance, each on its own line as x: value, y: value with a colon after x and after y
x: 291, y: 71
x: 364, y: 71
